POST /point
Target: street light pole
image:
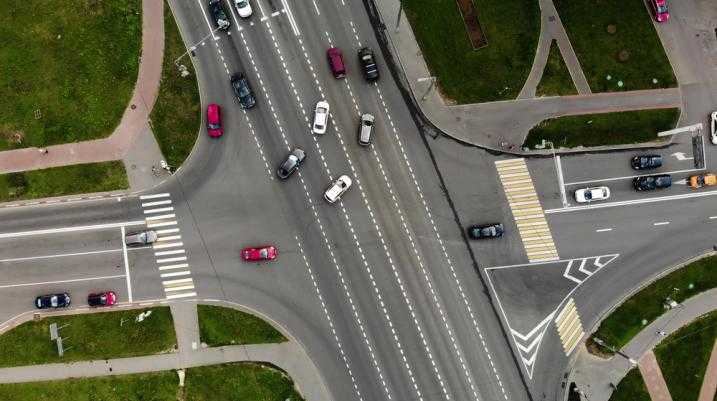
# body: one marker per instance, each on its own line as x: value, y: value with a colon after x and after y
x: 398, y: 17
x: 430, y: 87
x: 558, y: 173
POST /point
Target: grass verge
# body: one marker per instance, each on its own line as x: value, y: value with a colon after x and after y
x: 647, y: 305
x: 226, y: 326
x: 176, y: 113
x: 67, y: 69
x: 631, y: 388
x: 494, y: 72
x: 556, y: 80
x: 603, y: 129
x: 66, y: 180
x: 91, y: 336
x: 239, y: 381
x: 632, y: 54
x: 683, y: 357
x: 159, y: 386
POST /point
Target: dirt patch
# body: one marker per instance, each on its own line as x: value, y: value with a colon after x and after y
x: 11, y: 135
x: 470, y: 20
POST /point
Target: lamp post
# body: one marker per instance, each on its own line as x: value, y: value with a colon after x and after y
x: 398, y: 17
x: 430, y: 87
x: 558, y: 173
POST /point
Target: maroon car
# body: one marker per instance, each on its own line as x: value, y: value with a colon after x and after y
x: 214, y: 120
x: 336, y: 62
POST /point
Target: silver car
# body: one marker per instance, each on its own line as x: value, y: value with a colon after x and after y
x: 140, y: 238
x: 365, y: 129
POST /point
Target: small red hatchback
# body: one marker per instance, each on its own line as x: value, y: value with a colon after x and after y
x: 336, y: 62
x: 214, y: 120
x: 267, y: 252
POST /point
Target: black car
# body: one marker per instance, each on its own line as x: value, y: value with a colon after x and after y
x: 53, y: 301
x: 292, y: 162
x: 243, y: 91
x: 646, y: 162
x: 650, y: 182
x: 368, y: 64
x: 486, y: 231
x: 220, y: 16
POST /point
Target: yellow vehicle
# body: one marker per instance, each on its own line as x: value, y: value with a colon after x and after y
x: 703, y: 180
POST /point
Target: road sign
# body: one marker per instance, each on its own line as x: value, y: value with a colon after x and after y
x: 60, y: 350
x: 53, y: 331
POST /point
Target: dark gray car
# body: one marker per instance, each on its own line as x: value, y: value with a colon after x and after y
x: 242, y: 90
x: 292, y: 162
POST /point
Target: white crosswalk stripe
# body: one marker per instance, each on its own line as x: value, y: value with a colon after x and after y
x: 527, y: 211
x: 155, y: 196
x: 569, y: 327
x: 159, y: 210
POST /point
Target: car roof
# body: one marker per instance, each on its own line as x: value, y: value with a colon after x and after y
x: 213, y: 112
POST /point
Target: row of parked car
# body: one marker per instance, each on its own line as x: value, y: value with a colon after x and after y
x: 62, y: 300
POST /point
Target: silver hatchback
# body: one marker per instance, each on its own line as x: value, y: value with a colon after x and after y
x: 140, y: 238
x: 365, y: 129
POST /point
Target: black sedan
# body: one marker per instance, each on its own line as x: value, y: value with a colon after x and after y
x: 242, y: 90
x: 646, y: 162
x: 292, y: 162
x: 368, y: 64
x: 652, y: 182
x: 53, y: 301
x: 494, y: 230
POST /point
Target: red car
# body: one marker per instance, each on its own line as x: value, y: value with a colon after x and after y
x: 336, y: 62
x: 267, y: 252
x: 108, y: 298
x: 659, y: 10
x: 214, y: 121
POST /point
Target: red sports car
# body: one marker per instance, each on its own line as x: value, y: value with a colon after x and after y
x: 267, y: 252
x: 108, y: 298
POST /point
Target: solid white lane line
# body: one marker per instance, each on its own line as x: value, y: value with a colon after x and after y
x: 174, y: 274
x: 126, y: 266
x: 182, y: 288
x: 62, y: 281
x: 561, y: 181
x: 161, y: 217
x: 172, y: 252
x: 169, y: 245
x: 185, y: 295
x: 603, y: 230
x: 160, y: 210
x: 632, y: 202
x: 60, y: 255
x: 162, y: 224
x: 169, y: 238
x: 167, y: 231
x: 157, y: 203
x: 292, y: 21
x: 629, y: 177
x: 713, y: 217
x: 70, y: 229
x: 177, y: 266
x: 163, y: 195
x: 170, y: 260
x: 211, y: 29
x: 661, y: 223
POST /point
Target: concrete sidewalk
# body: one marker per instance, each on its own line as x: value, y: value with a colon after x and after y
x: 133, y: 126
x: 652, y: 376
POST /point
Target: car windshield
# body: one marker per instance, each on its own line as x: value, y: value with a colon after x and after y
x: 321, y: 110
x: 368, y: 123
x: 214, y: 126
x: 319, y: 126
x: 242, y: 3
x: 264, y: 253
x: 488, y: 231
x: 243, y: 90
x: 662, y: 9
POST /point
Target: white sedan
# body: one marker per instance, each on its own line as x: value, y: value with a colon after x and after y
x: 243, y: 8
x: 337, y: 188
x: 713, y: 127
x: 592, y: 194
x: 321, y: 117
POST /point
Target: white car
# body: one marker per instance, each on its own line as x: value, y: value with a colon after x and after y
x: 337, y: 189
x: 243, y: 7
x: 713, y: 126
x: 321, y: 117
x: 592, y: 194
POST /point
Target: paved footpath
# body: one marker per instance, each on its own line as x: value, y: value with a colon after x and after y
x: 133, y: 125
x: 652, y: 376
x: 709, y: 381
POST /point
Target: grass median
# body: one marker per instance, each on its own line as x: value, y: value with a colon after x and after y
x: 556, y: 80
x: 607, y: 129
x: 240, y: 381
x: 176, y: 113
x: 67, y: 69
x: 616, y: 42
x: 226, y: 326
x: 66, y: 180
x: 683, y: 357
x: 494, y: 72
x: 631, y: 388
x: 89, y: 336
x: 641, y: 309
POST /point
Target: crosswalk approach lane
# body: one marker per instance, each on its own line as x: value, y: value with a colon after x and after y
x: 527, y: 211
x: 169, y: 251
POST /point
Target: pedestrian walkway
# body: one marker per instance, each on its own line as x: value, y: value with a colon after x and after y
x: 133, y: 125
x: 709, y: 381
x: 652, y: 376
x: 570, y: 328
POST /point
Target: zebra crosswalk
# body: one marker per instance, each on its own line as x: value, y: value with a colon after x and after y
x: 569, y: 326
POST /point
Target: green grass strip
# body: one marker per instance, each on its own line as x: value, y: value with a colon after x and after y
x: 89, y: 336
x: 556, y: 80
x: 66, y: 180
x: 239, y: 382
x: 605, y: 129
x: 226, y: 326
x: 631, y: 388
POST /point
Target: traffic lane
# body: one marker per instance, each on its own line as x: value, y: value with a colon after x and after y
x: 60, y: 244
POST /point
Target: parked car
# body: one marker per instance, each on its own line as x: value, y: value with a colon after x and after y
x: 242, y: 90
x: 651, y: 182
x: 321, y: 117
x: 292, y: 162
x: 53, y: 301
x: 214, y: 121
x: 337, y: 189
x: 258, y: 254
x: 107, y: 298
x: 494, y: 230
x: 646, y: 162
x: 702, y: 180
x: 368, y: 64
x: 365, y: 129
x: 659, y: 10
x: 243, y: 8
x: 592, y: 194
x: 336, y: 62
x: 140, y: 238
x: 713, y: 128
x: 221, y: 19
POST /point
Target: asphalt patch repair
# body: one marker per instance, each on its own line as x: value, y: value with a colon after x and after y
x: 470, y: 20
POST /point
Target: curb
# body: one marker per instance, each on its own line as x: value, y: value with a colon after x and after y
x: 66, y: 199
